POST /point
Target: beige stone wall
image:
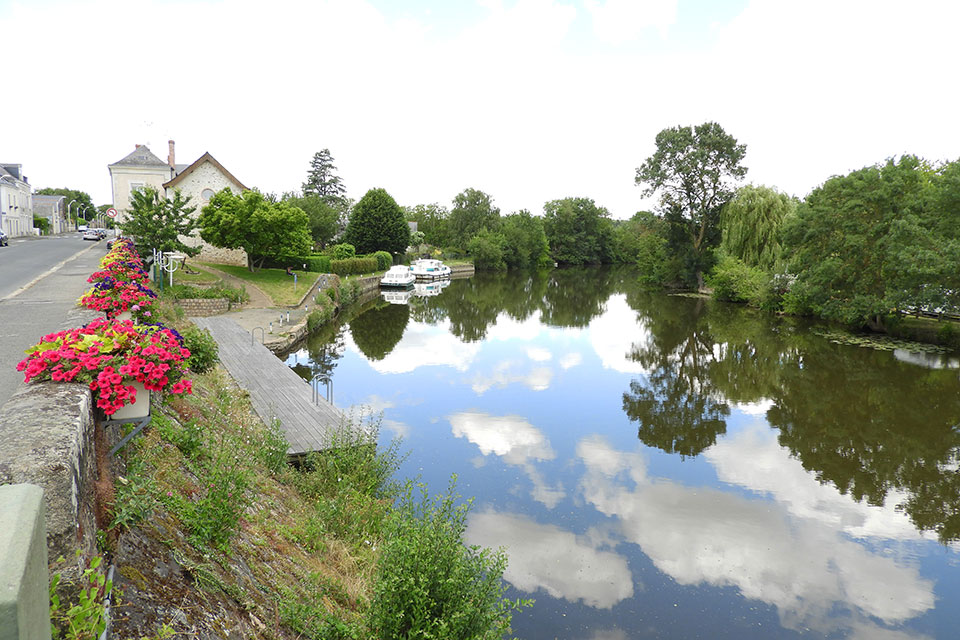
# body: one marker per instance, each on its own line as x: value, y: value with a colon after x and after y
x: 202, y: 307
x: 122, y: 178
x: 207, y: 176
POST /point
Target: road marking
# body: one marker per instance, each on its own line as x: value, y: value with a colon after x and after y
x: 45, y: 274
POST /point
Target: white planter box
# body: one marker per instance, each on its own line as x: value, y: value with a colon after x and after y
x: 139, y: 409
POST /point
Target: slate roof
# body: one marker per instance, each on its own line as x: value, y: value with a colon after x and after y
x: 141, y: 157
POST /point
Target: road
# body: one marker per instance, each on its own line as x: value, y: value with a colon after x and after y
x: 40, y: 281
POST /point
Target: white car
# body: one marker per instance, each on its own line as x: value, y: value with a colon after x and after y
x: 91, y: 234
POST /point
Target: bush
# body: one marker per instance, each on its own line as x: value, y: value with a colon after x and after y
x: 428, y: 584
x: 343, y: 251
x: 204, y: 352
x: 317, y: 264
x: 353, y: 266
x: 384, y: 260
x: 321, y: 314
x: 732, y: 280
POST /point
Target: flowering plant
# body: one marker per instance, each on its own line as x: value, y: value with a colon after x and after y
x: 113, y: 297
x: 108, y: 355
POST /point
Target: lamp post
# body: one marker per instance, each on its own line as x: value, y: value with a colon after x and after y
x: 70, y: 204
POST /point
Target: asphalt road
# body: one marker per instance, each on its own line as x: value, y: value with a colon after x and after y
x: 40, y: 281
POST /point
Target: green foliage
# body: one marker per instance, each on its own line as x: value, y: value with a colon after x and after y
x: 86, y: 618
x: 733, y: 280
x: 204, y: 352
x: 578, y: 231
x: 428, y: 584
x: 324, y: 217
x: 472, y: 211
x: 252, y: 223
x: 869, y: 242
x: 156, y: 222
x: 693, y: 169
x: 343, y: 251
x: 751, y: 223
x: 525, y: 241
x: 186, y: 291
x: 317, y: 264
x: 651, y: 260
x: 487, y: 249
x: 41, y: 223
x: 273, y: 450
x: 186, y: 436
x: 135, y: 496
x: 322, y: 312
x: 377, y: 223
x: 377, y: 331
x: 384, y: 260
x: 432, y: 221
x: 353, y: 266
x: 321, y: 181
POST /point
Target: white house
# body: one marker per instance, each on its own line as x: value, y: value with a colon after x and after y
x: 16, y: 201
x: 198, y: 181
x: 53, y: 208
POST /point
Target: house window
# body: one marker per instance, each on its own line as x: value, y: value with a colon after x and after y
x: 136, y: 186
x: 206, y: 194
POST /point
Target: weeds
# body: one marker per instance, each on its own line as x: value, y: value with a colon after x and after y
x: 85, y: 619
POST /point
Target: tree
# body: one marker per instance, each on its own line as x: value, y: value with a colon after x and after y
x: 156, y: 222
x: 377, y: 223
x: 751, y: 224
x: 693, y: 169
x: 866, y: 243
x: 250, y: 222
x: 578, y: 231
x: 324, y: 217
x: 487, y: 248
x: 525, y: 241
x: 472, y: 210
x: 433, y: 221
x: 321, y: 179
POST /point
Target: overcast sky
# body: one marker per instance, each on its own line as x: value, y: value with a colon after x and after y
x: 528, y: 100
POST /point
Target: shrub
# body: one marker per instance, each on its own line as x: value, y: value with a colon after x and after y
x: 204, y: 352
x: 353, y: 266
x: 732, y: 280
x: 317, y: 264
x: 428, y: 584
x: 343, y: 251
x: 384, y: 260
x: 321, y: 314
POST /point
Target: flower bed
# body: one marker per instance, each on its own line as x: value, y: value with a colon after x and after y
x: 110, y: 354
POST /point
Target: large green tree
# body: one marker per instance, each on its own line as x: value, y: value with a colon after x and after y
x: 525, y: 241
x: 321, y: 179
x: 472, y: 210
x: 751, y: 224
x: 251, y: 222
x: 377, y: 223
x: 156, y: 222
x: 324, y: 217
x: 433, y: 221
x: 868, y: 242
x: 578, y: 231
x: 694, y: 170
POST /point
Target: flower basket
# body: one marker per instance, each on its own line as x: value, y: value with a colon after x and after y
x: 111, y: 356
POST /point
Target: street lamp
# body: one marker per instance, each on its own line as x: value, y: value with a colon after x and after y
x: 69, y: 204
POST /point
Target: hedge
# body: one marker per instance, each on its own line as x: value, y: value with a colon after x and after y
x: 384, y: 260
x: 316, y: 263
x: 352, y: 266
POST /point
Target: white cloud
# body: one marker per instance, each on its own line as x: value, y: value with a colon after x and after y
x: 508, y: 372
x: 539, y: 354
x: 515, y: 440
x: 423, y: 345
x: 614, y: 333
x: 542, y: 556
x: 804, y: 568
x: 570, y: 360
x: 619, y: 21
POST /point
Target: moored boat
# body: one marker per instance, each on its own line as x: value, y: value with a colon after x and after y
x: 398, y: 277
x: 429, y: 269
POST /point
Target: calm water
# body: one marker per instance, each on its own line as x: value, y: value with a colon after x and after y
x: 668, y: 467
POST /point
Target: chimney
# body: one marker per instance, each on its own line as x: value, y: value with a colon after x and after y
x: 170, y: 157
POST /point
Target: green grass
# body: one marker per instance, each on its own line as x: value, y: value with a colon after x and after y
x: 203, y: 277
x: 273, y: 282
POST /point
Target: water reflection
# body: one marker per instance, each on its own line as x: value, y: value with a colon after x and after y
x: 544, y: 556
x: 813, y: 576
x: 715, y: 459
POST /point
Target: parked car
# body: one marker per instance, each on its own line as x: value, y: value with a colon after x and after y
x: 91, y: 234
x: 102, y: 232
x: 82, y: 228
x: 4, y: 240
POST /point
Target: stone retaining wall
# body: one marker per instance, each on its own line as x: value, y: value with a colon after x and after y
x: 47, y: 439
x: 202, y: 307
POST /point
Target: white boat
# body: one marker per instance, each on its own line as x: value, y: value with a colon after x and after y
x: 398, y: 277
x: 429, y: 269
x: 398, y: 296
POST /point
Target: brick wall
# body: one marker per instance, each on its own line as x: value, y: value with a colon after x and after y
x: 202, y: 307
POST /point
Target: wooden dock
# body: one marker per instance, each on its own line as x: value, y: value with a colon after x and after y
x: 276, y: 391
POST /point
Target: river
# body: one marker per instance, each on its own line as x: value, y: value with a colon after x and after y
x: 666, y: 466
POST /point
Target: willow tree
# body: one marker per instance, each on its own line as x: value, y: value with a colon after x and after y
x: 693, y: 170
x: 751, y: 224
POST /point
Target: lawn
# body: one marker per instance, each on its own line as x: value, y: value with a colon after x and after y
x: 203, y: 277
x: 273, y: 282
